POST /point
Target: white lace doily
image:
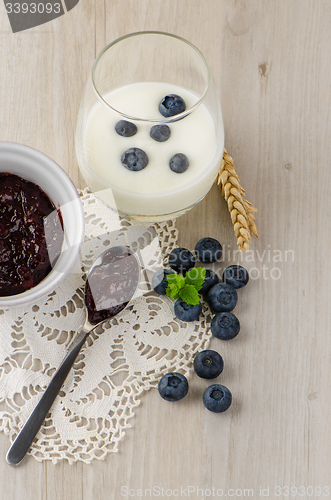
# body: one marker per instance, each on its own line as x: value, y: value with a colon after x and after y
x: 120, y: 360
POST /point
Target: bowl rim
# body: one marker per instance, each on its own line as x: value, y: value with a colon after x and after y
x: 52, y: 280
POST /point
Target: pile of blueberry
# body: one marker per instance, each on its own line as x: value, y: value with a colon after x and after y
x: 222, y: 298
x: 207, y: 364
x: 136, y: 159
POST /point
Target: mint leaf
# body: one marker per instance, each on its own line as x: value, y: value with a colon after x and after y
x: 189, y: 295
x: 173, y: 291
x: 176, y: 279
x: 196, y: 277
x: 175, y: 283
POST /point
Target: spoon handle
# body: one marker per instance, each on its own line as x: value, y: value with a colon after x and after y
x: 24, y: 439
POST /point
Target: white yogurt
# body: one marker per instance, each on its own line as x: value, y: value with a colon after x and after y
x: 156, y: 190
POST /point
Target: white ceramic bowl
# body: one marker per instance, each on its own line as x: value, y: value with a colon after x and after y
x: 36, y: 167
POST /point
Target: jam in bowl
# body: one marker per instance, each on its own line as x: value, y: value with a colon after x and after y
x: 31, y: 233
x: 41, y: 225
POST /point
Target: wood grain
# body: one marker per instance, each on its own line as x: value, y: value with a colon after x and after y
x: 272, y: 62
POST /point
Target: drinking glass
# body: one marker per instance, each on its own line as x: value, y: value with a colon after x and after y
x: 129, y: 80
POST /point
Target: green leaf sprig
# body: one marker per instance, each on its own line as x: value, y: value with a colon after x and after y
x: 187, y: 287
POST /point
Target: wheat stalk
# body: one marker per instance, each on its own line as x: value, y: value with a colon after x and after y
x: 241, y: 210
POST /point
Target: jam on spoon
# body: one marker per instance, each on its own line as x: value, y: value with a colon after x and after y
x: 110, y: 285
x: 31, y: 234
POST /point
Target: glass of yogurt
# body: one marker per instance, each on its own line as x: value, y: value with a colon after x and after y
x: 150, y: 135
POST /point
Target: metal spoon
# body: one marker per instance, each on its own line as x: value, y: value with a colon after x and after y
x: 110, y: 285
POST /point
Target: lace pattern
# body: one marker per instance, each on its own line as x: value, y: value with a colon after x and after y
x: 122, y: 358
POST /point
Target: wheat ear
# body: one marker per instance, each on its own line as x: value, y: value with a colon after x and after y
x: 241, y: 210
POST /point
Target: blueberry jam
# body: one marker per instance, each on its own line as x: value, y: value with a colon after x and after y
x: 31, y: 234
x: 111, y: 284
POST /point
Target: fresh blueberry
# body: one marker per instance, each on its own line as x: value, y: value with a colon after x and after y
x: 211, y: 279
x: 208, y: 364
x: 134, y: 159
x: 160, y: 133
x: 181, y: 260
x: 236, y: 276
x: 125, y: 129
x: 222, y: 297
x: 217, y: 398
x: 173, y: 386
x: 159, y: 281
x: 208, y: 250
x: 187, y: 312
x: 179, y: 163
x: 225, y: 326
x: 172, y: 105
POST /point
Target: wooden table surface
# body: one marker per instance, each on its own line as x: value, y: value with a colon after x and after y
x: 271, y: 60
